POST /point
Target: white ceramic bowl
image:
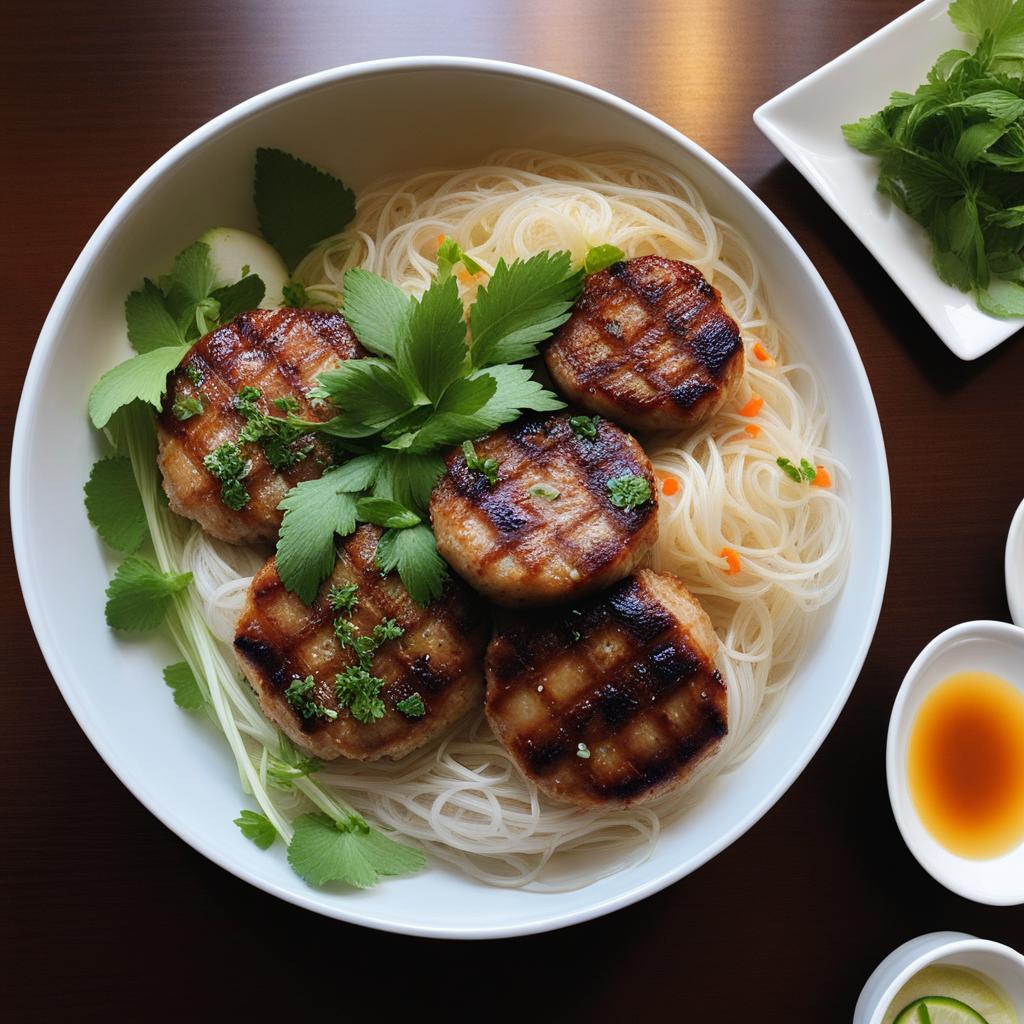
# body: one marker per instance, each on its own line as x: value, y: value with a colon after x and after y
x: 804, y: 124
x: 982, y: 646
x: 1015, y: 566
x: 1005, y: 966
x: 365, y: 121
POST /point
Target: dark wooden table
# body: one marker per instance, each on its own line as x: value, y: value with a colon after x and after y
x: 104, y: 909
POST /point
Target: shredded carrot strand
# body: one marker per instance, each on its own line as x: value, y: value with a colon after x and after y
x: 467, y: 278
x: 762, y: 353
x: 732, y: 559
x: 753, y: 406
x: 821, y: 477
x: 753, y: 429
x: 440, y: 241
x: 669, y: 484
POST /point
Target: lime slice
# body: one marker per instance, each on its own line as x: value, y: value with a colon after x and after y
x: 939, y: 1010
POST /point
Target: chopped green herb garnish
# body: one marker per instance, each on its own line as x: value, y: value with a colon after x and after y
x: 359, y: 691
x: 344, y: 598
x: 584, y: 426
x: 286, y: 403
x: 230, y: 468
x: 194, y: 374
x: 448, y: 255
x: 951, y: 154
x: 276, y: 436
x: 298, y: 695
x: 257, y: 827
x: 412, y: 706
x: 805, y: 472
x: 294, y: 295
x: 187, y: 407
x: 487, y: 468
x: 629, y: 491
x: 600, y: 257
x: 544, y: 492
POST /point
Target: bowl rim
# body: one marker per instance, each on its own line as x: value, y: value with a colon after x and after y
x: 50, y: 647
x: 946, y: 944
x: 956, y: 880
x: 1013, y: 561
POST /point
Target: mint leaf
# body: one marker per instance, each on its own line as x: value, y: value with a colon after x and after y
x: 324, y: 851
x: 314, y: 512
x: 298, y: 204
x: 521, y: 306
x: 434, y: 350
x: 376, y: 310
x: 142, y: 377
x: 150, y: 326
x: 140, y: 594
x: 600, y: 257
x: 183, y: 683
x: 239, y: 297
x: 114, y: 506
x: 257, y: 827
x: 413, y: 553
x: 385, y: 512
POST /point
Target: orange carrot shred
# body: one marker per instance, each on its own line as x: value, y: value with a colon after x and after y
x: 669, y: 485
x: 440, y: 241
x: 732, y: 559
x: 762, y: 353
x: 821, y: 477
x: 753, y: 406
x: 753, y: 429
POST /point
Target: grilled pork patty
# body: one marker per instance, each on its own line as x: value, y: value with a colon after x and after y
x: 279, y: 639
x: 279, y: 351
x: 614, y: 701
x: 650, y: 345
x: 548, y: 529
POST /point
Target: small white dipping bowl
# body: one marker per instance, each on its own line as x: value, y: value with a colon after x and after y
x: 1005, y: 966
x: 1015, y: 566
x: 983, y: 646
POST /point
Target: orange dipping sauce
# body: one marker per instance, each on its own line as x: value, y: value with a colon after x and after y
x: 965, y: 764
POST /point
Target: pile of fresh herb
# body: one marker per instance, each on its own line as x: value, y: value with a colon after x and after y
x: 951, y: 155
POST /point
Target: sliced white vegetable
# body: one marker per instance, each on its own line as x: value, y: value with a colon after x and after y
x: 232, y: 250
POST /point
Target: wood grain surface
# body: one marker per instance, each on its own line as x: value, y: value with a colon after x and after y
x: 105, y: 910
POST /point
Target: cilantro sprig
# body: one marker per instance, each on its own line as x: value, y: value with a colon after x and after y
x: 422, y: 389
x: 951, y: 155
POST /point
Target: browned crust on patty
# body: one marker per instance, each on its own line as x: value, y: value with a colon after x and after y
x: 279, y: 351
x: 629, y: 673
x: 520, y: 549
x: 650, y: 345
x: 440, y: 655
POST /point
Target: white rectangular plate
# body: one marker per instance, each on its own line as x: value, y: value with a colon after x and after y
x: 804, y: 123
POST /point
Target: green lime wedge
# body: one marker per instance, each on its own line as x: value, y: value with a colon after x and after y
x: 938, y: 1010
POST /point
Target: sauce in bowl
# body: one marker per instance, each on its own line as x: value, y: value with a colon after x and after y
x: 965, y: 764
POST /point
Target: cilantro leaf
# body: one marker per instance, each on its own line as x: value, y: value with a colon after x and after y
x: 376, y: 310
x: 600, y: 257
x: 142, y: 377
x: 369, y: 391
x: 187, y: 694
x: 413, y: 553
x: 359, y: 473
x: 298, y: 204
x: 314, y: 511
x: 256, y: 827
x: 301, y: 697
x: 434, y: 349
x: 385, y: 512
x: 521, y: 305
x: 150, y: 326
x: 412, y: 706
x: 140, y: 594
x: 449, y: 253
x: 324, y: 851
x: 114, y: 506
x: 239, y: 297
